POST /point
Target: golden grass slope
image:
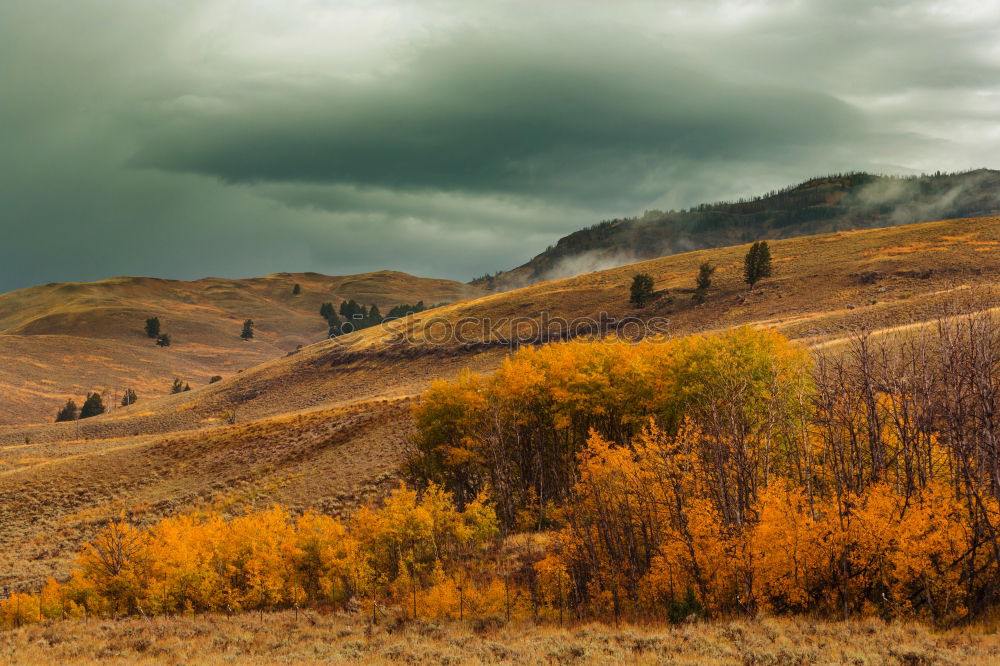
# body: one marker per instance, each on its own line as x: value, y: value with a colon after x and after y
x: 63, y: 340
x: 60, y: 482
x: 315, y: 638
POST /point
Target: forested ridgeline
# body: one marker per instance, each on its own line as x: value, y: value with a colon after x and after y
x: 836, y: 202
x: 702, y: 476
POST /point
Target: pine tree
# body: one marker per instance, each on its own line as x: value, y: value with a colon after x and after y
x: 350, y: 310
x: 642, y: 289
x: 703, y: 282
x: 297, y: 289
x: 247, y: 329
x: 153, y: 327
x: 92, y: 406
x: 129, y: 398
x: 332, y: 320
x: 757, y: 263
x: 163, y: 340
x: 69, y: 412
x: 177, y: 386
x: 374, y: 316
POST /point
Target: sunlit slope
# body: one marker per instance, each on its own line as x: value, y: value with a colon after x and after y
x: 328, y: 426
x: 822, y: 286
x: 63, y: 340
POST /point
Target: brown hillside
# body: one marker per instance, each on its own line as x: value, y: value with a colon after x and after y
x: 63, y: 340
x: 328, y: 426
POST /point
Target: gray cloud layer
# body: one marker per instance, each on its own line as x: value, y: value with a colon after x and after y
x: 219, y: 137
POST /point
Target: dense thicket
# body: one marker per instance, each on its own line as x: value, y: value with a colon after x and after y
x: 734, y: 469
x: 269, y: 559
x: 519, y: 432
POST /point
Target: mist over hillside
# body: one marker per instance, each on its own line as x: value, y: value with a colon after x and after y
x: 839, y: 202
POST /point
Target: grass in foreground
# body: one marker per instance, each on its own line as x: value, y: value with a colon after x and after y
x: 315, y: 638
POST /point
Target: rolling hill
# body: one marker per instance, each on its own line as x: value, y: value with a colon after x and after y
x: 832, y: 203
x: 328, y: 426
x: 63, y: 340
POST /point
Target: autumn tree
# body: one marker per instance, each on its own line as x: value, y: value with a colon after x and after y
x: 115, y: 562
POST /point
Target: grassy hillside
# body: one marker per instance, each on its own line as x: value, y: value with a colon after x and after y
x: 833, y: 203
x: 327, y: 427
x: 62, y: 340
x: 314, y: 638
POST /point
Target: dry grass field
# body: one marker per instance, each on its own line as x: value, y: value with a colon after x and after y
x: 316, y: 638
x: 64, y: 340
x: 326, y: 427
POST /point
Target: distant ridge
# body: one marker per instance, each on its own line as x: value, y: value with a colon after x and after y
x: 64, y: 340
x: 837, y: 202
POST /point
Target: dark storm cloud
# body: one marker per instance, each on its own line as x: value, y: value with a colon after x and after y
x: 227, y: 137
x: 569, y: 122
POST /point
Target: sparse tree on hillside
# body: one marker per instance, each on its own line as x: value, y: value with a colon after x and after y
x: 177, y: 386
x: 297, y: 289
x: 163, y: 340
x: 92, y: 406
x: 215, y: 378
x: 69, y: 412
x: 129, y: 398
x: 703, y: 282
x: 153, y: 327
x: 757, y: 263
x: 247, y: 329
x: 642, y: 289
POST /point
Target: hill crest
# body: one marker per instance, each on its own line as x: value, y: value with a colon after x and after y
x: 838, y: 202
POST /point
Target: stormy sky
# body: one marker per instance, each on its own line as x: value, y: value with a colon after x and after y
x: 187, y: 138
